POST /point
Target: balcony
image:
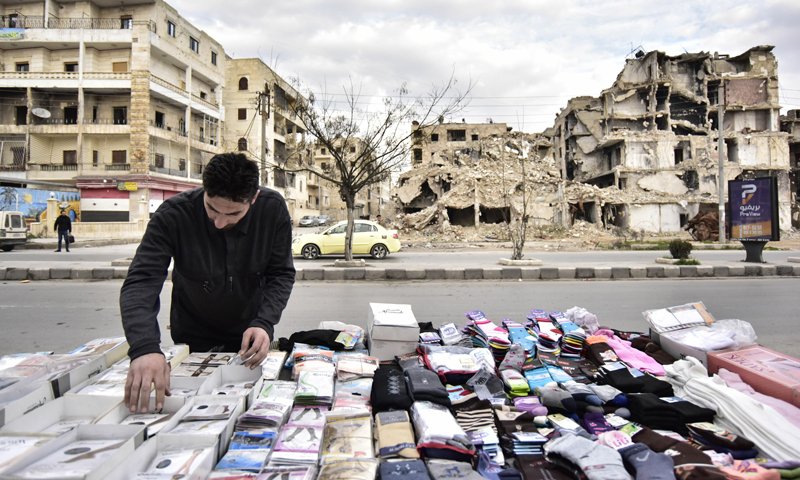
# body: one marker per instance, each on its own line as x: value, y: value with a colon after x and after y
x: 53, y: 167
x: 175, y: 172
x: 26, y: 22
x: 117, y: 167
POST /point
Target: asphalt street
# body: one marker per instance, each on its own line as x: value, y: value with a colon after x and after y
x: 417, y: 258
x: 59, y: 315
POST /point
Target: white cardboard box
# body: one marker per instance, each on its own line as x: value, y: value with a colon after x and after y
x: 60, y: 409
x: 129, y: 436
x: 18, y: 400
x: 141, y: 459
x: 668, y: 325
x: 15, y: 446
x: 224, y: 437
x: 228, y: 374
x: 64, y: 381
x: 393, y: 330
x: 174, y: 405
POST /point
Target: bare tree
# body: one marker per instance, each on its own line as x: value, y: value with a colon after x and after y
x: 382, y: 135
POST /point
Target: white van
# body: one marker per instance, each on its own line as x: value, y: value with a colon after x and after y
x: 13, y: 230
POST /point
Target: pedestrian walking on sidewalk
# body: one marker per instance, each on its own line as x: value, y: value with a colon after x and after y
x: 63, y: 226
x: 231, y: 242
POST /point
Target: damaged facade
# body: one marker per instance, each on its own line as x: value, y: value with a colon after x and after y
x: 466, y: 175
x: 650, y: 141
x: 790, y: 123
x: 642, y: 156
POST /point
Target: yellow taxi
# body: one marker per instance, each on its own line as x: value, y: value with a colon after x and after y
x: 369, y: 238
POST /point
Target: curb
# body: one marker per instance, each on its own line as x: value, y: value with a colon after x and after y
x: 339, y: 274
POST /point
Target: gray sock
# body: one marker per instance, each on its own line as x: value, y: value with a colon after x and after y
x: 648, y: 464
x: 597, y: 462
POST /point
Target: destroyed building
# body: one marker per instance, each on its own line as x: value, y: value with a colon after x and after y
x: 653, y: 136
x: 466, y: 175
x: 790, y: 123
x: 642, y: 156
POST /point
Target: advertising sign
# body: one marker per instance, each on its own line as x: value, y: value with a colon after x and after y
x: 11, y: 33
x: 753, y: 209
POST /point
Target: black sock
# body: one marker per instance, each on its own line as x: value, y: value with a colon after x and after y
x: 425, y: 385
x: 389, y: 391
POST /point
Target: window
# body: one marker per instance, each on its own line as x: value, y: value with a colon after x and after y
x: 242, y: 114
x: 213, y: 58
x: 242, y: 145
x: 203, y: 95
x: 417, y: 155
x: 120, y: 115
x: 434, y: 137
x: 119, y: 156
x: 21, y: 114
x: 23, y: 67
x: 182, y: 164
x: 159, y: 160
x: 474, y: 137
x: 95, y: 158
x: 71, y: 67
x: 70, y: 115
x: 243, y: 83
x: 160, y: 119
x: 126, y: 22
x: 94, y: 114
x: 352, y: 149
x: 322, y: 151
x: 364, y: 227
x: 70, y: 157
x: 171, y: 28
x: 456, y: 135
x: 194, y: 45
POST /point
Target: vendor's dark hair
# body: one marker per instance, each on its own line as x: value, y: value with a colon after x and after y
x: 231, y: 176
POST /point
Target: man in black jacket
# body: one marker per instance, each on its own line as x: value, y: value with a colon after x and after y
x: 232, y: 275
x: 63, y: 226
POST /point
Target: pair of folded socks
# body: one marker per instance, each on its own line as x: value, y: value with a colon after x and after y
x: 620, y: 377
x: 389, y: 390
x: 666, y: 414
x: 424, y: 385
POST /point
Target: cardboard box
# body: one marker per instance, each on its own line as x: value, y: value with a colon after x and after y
x: 228, y: 374
x: 140, y: 460
x: 74, y: 370
x: 129, y: 436
x: 767, y: 371
x: 174, y: 405
x: 111, y: 349
x: 393, y: 330
x: 669, y: 325
x: 223, y: 437
x: 671, y: 343
x: 14, y: 446
x: 88, y: 408
x: 17, y: 400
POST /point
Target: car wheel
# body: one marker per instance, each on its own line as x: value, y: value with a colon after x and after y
x: 379, y: 251
x: 310, y: 251
x: 7, y: 248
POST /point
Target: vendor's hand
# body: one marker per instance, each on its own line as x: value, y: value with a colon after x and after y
x: 144, y: 372
x: 255, y: 346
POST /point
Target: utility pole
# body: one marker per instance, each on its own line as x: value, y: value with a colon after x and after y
x: 264, y: 111
x: 721, y: 101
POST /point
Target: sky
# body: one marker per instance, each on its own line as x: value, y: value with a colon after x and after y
x: 524, y: 58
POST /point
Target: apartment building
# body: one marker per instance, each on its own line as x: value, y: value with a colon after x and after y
x: 259, y: 114
x: 790, y: 123
x: 371, y: 201
x: 650, y: 141
x: 122, y: 99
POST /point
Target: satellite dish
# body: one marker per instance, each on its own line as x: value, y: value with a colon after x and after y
x: 41, y: 112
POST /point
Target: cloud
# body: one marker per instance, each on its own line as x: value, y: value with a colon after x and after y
x: 526, y: 59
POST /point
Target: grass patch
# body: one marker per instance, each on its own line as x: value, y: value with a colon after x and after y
x: 687, y: 261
